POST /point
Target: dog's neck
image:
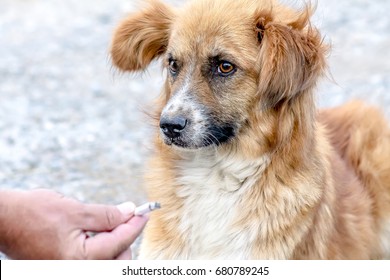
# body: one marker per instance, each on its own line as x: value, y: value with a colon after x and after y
x: 296, y: 132
x: 228, y: 170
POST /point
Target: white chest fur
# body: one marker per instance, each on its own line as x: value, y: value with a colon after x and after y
x: 211, y: 189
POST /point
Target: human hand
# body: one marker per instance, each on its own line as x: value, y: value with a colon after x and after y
x: 43, y: 224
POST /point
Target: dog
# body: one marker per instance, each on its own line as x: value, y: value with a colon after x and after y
x: 245, y: 166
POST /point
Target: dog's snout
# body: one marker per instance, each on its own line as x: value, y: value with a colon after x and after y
x: 172, y: 127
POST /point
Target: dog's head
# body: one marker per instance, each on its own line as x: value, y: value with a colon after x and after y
x: 226, y: 60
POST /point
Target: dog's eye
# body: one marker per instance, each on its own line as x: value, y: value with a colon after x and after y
x: 173, y: 67
x: 225, y: 68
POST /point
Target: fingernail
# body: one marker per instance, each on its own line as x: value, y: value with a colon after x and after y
x: 126, y: 208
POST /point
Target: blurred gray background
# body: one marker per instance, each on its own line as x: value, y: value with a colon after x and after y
x: 70, y: 122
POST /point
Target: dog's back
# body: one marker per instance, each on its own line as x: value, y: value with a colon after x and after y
x: 361, y: 136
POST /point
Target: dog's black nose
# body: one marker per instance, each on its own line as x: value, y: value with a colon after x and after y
x: 172, y: 127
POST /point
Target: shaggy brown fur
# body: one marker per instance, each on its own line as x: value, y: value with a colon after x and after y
x: 256, y: 172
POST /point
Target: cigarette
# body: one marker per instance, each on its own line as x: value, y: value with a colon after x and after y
x: 146, y: 208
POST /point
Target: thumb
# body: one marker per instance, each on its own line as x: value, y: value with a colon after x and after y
x: 106, y: 218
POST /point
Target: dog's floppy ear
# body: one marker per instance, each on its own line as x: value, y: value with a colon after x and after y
x: 142, y: 37
x: 291, y: 58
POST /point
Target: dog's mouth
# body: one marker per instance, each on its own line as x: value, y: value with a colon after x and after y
x: 212, y: 136
x: 176, y: 142
x: 217, y: 135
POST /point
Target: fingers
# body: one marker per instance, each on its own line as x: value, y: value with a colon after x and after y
x: 109, y: 245
x: 125, y: 255
x: 104, y: 218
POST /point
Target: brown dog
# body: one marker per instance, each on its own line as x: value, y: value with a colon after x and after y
x: 245, y: 168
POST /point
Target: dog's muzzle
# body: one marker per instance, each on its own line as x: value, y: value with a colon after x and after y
x: 188, y: 124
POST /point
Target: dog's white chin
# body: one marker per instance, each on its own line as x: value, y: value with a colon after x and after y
x: 188, y: 148
x: 193, y: 148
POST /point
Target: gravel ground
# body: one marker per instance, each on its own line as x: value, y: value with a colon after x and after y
x: 70, y: 122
